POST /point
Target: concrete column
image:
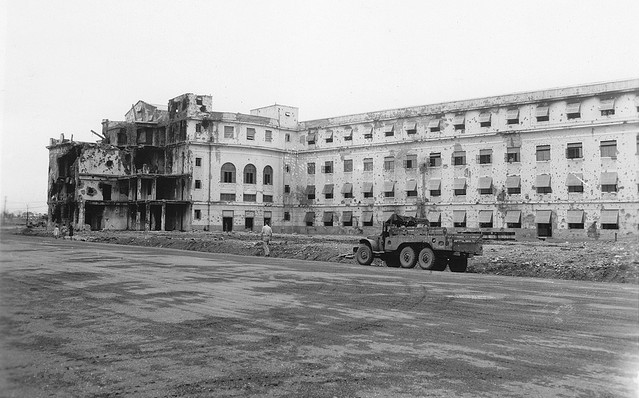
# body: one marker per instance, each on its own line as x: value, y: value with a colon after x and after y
x: 139, y: 188
x: 154, y: 185
x: 163, y: 226
x: 147, y: 224
x: 81, y: 216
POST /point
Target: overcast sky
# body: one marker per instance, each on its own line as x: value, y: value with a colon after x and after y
x: 69, y: 64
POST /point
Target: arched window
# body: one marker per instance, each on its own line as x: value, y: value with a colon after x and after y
x: 268, y: 176
x: 249, y: 174
x: 228, y: 172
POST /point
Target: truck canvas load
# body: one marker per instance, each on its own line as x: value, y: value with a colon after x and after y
x: 407, y: 241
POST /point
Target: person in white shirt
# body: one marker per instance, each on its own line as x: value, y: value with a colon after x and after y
x: 267, y: 233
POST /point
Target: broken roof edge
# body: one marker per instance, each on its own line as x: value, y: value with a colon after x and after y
x: 518, y: 98
x: 275, y: 104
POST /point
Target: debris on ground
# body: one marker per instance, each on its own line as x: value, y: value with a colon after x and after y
x: 593, y: 260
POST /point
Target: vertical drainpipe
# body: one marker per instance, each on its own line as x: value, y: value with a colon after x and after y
x: 208, y: 217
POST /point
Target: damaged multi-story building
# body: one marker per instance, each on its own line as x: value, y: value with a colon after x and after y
x: 559, y: 162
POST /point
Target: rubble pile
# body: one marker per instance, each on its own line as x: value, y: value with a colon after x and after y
x: 594, y: 260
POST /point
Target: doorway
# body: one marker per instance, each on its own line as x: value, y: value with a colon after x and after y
x: 227, y: 224
x: 544, y: 230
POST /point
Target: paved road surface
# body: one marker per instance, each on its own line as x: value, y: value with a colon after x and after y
x: 82, y: 319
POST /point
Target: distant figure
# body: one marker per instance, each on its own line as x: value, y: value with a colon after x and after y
x: 70, y: 231
x: 267, y: 233
x: 56, y: 231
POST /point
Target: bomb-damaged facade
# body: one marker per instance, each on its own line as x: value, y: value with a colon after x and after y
x: 560, y: 162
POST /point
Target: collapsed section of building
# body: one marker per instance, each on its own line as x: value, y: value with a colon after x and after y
x: 127, y: 180
x: 559, y: 162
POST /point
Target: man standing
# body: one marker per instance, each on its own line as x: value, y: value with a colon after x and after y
x: 267, y: 232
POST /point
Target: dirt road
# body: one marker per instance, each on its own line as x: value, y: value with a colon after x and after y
x: 95, y: 320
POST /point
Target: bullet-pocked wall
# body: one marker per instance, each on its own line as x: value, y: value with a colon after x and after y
x: 560, y: 162
x: 563, y: 163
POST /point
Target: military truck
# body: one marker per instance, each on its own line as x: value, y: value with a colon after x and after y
x: 408, y: 241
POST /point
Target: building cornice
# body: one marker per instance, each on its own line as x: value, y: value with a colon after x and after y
x: 517, y: 99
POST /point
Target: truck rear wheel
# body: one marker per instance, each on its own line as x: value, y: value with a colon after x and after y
x: 440, y: 263
x: 364, y: 255
x: 407, y: 257
x: 458, y: 264
x: 426, y: 258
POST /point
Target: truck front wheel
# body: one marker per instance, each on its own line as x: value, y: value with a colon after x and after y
x: 364, y: 255
x: 426, y: 258
x: 407, y: 257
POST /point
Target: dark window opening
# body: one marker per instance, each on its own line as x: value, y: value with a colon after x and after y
x: 227, y: 224
x: 609, y: 188
x: 198, y: 184
x: 250, y: 134
x: 249, y: 174
x: 460, y: 192
x: 348, y: 166
x: 435, y: 160
x: 368, y: 164
x: 389, y: 194
x: 435, y: 192
x: 543, y: 153
x: 287, y: 216
x: 249, y: 197
x: 267, y: 198
x: 574, y: 151
x: 198, y: 162
x: 486, y: 224
x: 575, y: 188
x: 368, y: 194
x: 267, y: 177
x: 486, y: 191
x: 543, y: 190
x: 514, y: 191
x: 389, y: 164
x: 248, y: 223
x: 328, y: 167
x: 411, y: 193
x: 287, y: 189
x: 198, y: 214
x: 609, y: 226
x: 485, y: 159
x: 608, y: 149
x: 328, y: 195
x: 544, y: 118
x: 310, y: 168
x: 575, y: 226
x: 513, y: 225
x: 459, y: 159
x: 512, y: 157
x: 607, y: 112
x: 106, y: 192
x: 227, y: 197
